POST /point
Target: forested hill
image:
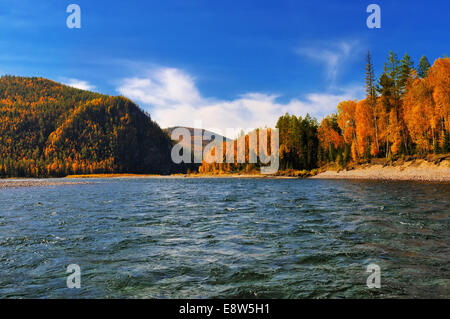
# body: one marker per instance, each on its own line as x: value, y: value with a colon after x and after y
x: 49, y: 129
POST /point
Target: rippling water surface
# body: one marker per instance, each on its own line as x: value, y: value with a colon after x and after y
x: 246, y: 238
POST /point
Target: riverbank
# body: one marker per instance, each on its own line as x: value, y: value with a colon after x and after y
x: 193, y: 175
x: 433, y: 169
x: 412, y: 170
x: 16, y: 183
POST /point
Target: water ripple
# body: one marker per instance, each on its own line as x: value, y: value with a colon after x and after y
x: 200, y: 238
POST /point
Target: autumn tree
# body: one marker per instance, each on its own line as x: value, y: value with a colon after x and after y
x: 347, y: 123
x: 330, y: 137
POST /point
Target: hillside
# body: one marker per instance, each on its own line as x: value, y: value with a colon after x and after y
x: 49, y: 129
x: 192, y: 131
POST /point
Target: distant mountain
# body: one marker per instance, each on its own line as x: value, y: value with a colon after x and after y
x: 50, y: 129
x: 192, y: 131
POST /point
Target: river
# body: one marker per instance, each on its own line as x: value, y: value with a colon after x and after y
x: 226, y: 238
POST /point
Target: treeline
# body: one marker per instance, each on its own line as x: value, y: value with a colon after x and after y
x: 299, y: 143
x: 50, y: 130
x: 406, y: 111
x: 298, y: 148
x: 245, y: 153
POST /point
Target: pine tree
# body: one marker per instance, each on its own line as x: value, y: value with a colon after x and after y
x: 406, y: 66
x: 393, y: 71
x: 446, y: 144
x: 424, y: 65
x: 372, y: 96
x: 370, y: 78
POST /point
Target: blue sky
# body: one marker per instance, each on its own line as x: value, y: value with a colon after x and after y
x: 225, y: 63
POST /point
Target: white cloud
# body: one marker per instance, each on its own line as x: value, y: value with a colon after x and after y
x: 79, y: 84
x: 164, y: 86
x: 172, y: 98
x: 333, y: 55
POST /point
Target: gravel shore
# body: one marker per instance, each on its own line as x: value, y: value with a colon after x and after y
x: 418, y: 170
x: 7, y: 183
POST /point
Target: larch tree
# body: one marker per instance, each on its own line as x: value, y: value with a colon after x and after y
x: 330, y: 137
x: 365, y: 132
x: 418, y: 114
x: 438, y: 80
x: 347, y: 123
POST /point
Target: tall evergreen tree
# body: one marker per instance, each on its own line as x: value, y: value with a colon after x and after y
x: 372, y: 94
x: 370, y: 78
x: 424, y: 65
x: 406, y: 66
x: 392, y: 69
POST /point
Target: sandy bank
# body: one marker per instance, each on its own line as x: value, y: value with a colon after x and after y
x: 33, y: 183
x: 259, y: 176
x: 174, y: 176
x: 416, y: 170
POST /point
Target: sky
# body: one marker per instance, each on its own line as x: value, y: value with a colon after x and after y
x: 218, y: 64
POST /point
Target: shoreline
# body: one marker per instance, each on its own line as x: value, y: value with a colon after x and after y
x: 415, y: 170
x: 418, y: 170
x: 411, y: 170
x: 11, y: 183
x: 175, y: 176
x: 29, y: 182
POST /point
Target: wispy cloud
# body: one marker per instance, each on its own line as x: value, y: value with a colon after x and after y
x: 333, y: 55
x: 79, y: 84
x: 173, y: 99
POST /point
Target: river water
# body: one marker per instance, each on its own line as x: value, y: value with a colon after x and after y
x: 226, y: 238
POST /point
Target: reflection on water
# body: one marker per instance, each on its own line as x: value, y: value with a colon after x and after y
x: 186, y: 238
